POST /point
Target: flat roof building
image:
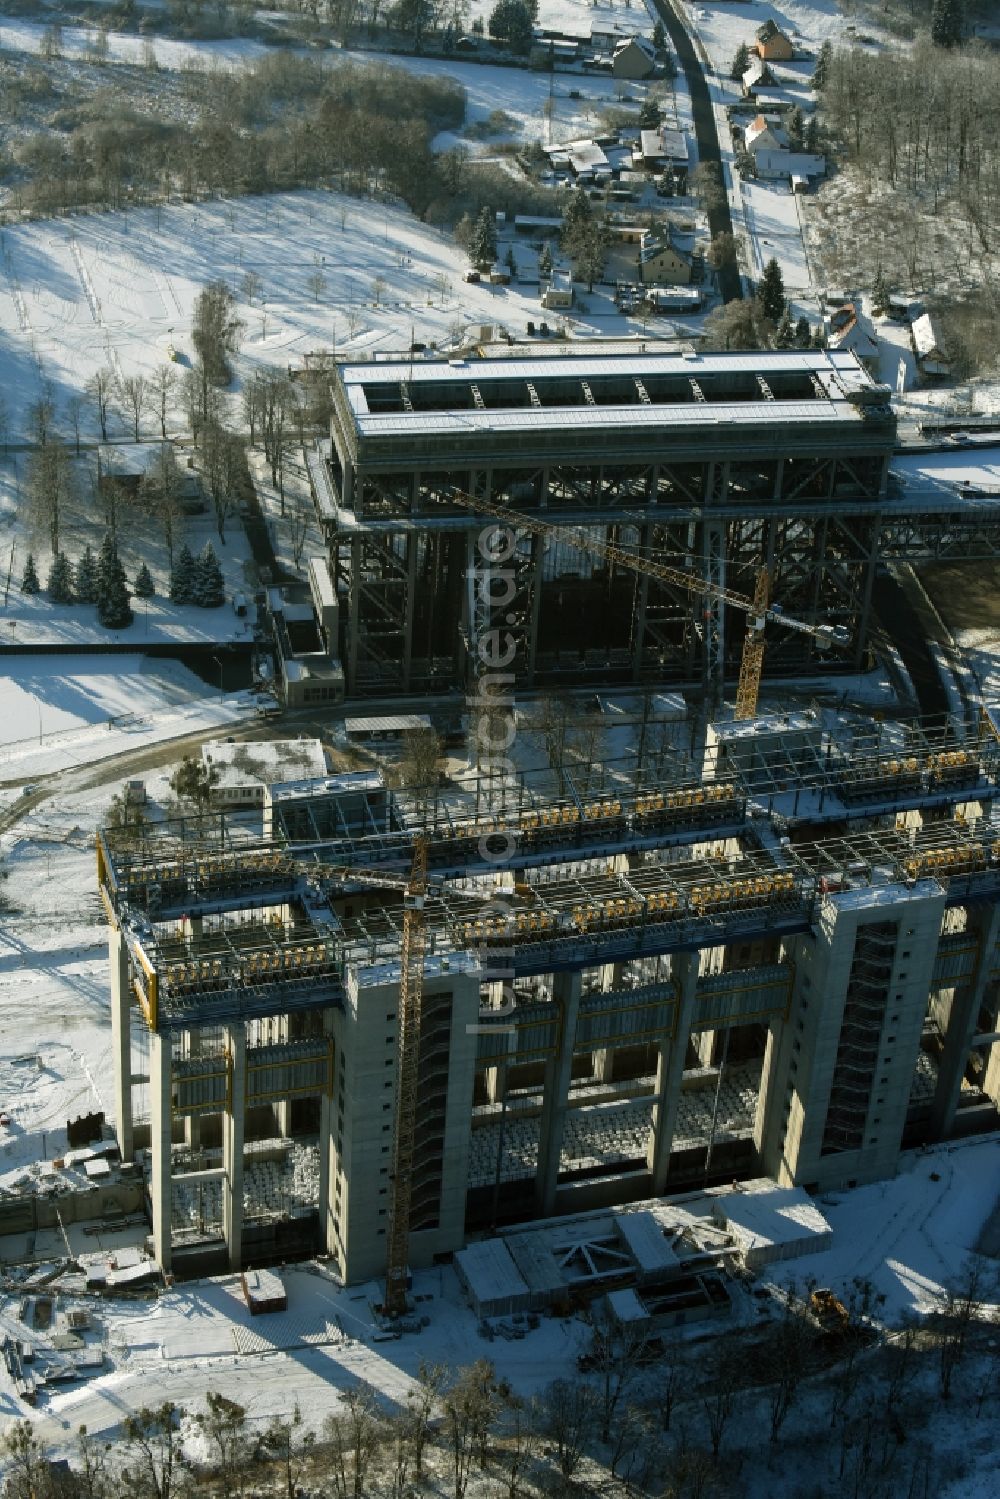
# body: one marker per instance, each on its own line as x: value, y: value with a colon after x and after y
x: 665, y: 451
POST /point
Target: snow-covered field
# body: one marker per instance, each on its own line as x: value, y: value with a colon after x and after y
x: 79, y: 294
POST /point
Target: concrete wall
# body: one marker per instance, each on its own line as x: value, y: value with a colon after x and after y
x: 801, y: 1063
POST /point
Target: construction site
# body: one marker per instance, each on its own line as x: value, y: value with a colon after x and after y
x: 671, y: 985
x: 376, y: 1024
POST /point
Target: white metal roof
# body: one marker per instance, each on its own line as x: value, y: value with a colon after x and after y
x: 591, y: 365
x: 532, y: 419
x: 397, y: 723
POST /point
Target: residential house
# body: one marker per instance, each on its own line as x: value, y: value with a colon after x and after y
x: 634, y: 58
x: 663, y: 262
x: 763, y: 134
x: 674, y: 144
x: 588, y: 161
x: 650, y: 153
x: 772, y: 44
x: 931, y: 356
x: 848, y: 331
x: 800, y: 166
x: 605, y: 38
x: 757, y: 76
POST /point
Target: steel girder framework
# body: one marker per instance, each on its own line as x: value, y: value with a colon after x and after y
x: 818, y: 509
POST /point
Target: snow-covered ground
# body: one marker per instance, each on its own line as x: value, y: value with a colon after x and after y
x: 62, y: 711
x: 79, y: 294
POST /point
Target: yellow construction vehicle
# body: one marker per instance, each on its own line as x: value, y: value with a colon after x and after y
x: 829, y: 1311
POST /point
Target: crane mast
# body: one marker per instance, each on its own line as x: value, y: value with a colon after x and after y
x: 407, y: 1067
x: 759, y: 609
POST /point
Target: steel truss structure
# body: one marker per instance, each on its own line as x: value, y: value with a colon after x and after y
x: 715, y: 463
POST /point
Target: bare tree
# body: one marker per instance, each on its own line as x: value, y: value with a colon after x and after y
x: 298, y: 530
x: 49, y: 483
x: 719, y: 1398
x: 253, y: 286
x: 92, y: 1475
x: 252, y: 402
x: 161, y: 384
x: 290, y: 1444
x: 470, y: 1407
x: 420, y: 764
x: 398, y: 1446
x: 422, y: 1399
x: 41, y: 414
x: 224, y: 1425
x: 316, y: 282
x: 216, y: 331
x: 568, y: 1411
x: 785, y: 1360
x: 518, y: 1445
x: 152, y: 1445
x: 672, y: 1371
x: 225, y: 467
x: 276, y: 404
x: 963, y: 1304
x: 353, y: 1436
x: 101, y: 385
x: 26, y: 1461
x: 551, y: 721
x: 901, y: 1363
x: 616, y: 1353
x: 132, y: 394
x: 74, y: 410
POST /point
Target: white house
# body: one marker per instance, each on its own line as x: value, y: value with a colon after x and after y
x: 930, y: 355
x: 559, y: 292
x: 763, y: 134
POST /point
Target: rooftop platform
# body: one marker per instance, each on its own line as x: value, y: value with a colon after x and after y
x: 583, y: 390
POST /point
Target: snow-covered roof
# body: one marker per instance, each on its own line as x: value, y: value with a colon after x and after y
x: 636, y: 41
x: 674, y: 143
x: 769, y: 31
x: 763, y: 1217
x: 757, y: 72
x: 645, y: 1241
x: 348, y: 781
x: 491, y: 1276
x: 925, y: 338
x: 625, y: 1306
x: 444, y: 414
x: 654, y: 245
x: 264, y: 761
x: 850, y: 330
x: 321, y: 582
x: 395, y: 723
x: 587, y: 156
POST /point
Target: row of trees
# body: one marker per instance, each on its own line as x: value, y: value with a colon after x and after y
x: 96, y: 580
x: 101, y: 580
x: 281, y: 123
x: 688, y: 1420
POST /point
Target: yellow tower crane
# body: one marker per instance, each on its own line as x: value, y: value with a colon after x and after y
x: 759, y: 609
